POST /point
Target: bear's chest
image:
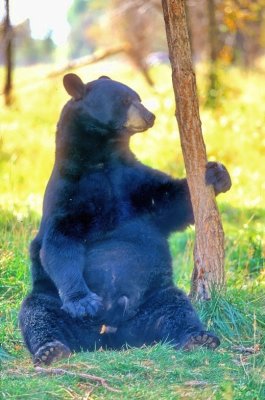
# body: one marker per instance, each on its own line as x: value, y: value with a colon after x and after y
x: 105, y: 194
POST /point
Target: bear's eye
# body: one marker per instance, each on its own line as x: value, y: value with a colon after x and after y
x: 126, y: 102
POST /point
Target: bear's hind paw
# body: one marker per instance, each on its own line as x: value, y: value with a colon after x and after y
x: 202, y: 339
x: 51, y: 352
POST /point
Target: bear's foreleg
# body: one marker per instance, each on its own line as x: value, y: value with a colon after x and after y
x: 63, y: 259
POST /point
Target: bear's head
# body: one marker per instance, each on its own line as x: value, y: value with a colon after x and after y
x: 106, y: 106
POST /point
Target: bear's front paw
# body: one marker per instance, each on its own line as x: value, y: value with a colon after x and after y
x: 91, y: 304
x: 218, y: 176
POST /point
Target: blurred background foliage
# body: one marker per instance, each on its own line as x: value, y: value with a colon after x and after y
x: 239, y: 30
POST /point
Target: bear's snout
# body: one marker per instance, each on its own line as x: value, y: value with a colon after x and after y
x: 139, y: 119
x: 150, y: 118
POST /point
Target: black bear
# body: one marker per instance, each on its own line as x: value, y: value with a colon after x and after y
x: 101, y: 267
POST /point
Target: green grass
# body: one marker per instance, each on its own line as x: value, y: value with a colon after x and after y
x: 150, y: 373
x: 234, y: 133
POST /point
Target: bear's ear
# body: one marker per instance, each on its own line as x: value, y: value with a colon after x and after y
x: 104, y: 77
x: 74, y: 86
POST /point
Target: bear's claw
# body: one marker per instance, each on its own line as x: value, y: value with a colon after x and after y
x: 202, y: 339
x: 51, y: 352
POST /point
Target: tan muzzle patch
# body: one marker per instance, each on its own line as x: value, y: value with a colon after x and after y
x: 137, y: 120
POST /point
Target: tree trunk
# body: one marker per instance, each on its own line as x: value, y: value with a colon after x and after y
x: 187, y: 12
x: 209, y: 242
x: 8, y: 56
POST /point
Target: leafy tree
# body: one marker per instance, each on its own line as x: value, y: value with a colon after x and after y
x: 242, y: 26
x: 80, y: 18
x: 30, y: 51
x: 77, y: 9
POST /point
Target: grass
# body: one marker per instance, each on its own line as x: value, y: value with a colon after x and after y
x: 234, y: 134
x: 153, y: 373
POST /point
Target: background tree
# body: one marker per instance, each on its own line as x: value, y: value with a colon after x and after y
x: 135, y: 25
x: 8, y: 54
x: 242, y: 30
x: 209, y: 242
x: 212, y: 92
x: 29, y: 51
x: 80, y: 17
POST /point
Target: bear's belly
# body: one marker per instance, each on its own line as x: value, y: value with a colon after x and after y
x: 124, y: 270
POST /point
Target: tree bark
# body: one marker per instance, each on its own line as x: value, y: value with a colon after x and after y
x: 209, y: 241
x: 8, y: 56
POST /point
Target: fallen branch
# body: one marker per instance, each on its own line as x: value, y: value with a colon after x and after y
x: 247, y: 350
x: 91, y: 59
x: 60, y: 371
x: 195, y: 383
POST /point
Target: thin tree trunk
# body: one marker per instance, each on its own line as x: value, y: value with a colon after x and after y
x: 209, y: 243
x: 8, y: 56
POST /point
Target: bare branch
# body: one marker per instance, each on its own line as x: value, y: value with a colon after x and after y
x: 93, y: 378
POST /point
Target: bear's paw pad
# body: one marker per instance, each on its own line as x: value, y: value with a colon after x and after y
x: 202, y: 339
x: 51, y: 352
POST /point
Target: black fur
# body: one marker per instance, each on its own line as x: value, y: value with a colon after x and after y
x: 101, y: 254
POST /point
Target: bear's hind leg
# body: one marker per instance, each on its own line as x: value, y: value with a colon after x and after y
x: 174, y: 320
x: 50, y: 333
x: 167, y: 316
x: 41, y: 329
